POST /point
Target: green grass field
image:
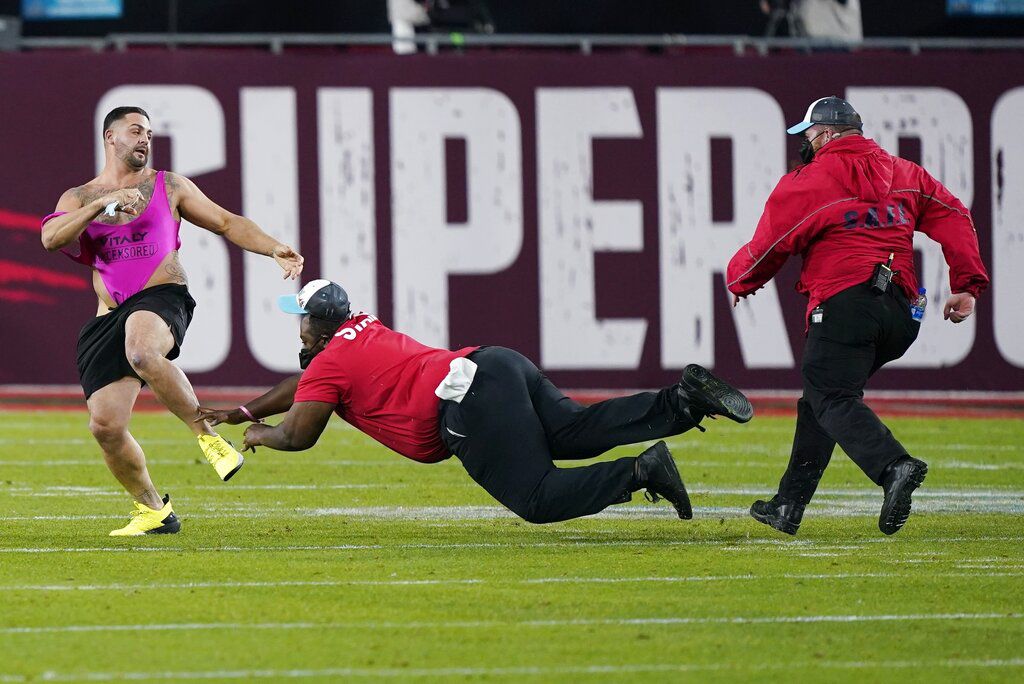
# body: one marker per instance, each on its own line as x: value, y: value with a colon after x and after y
x: 350, y: 562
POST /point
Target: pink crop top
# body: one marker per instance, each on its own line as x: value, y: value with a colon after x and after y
x: 126, y: 256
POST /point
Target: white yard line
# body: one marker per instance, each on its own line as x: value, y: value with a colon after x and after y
x: 874, y: 494
x: 855, y: 509
x: 477, y: 624
x: 755, y: 545
x: 246, y: 585
x: 516, y: 671
x: 107, y: 491
x: 689, y: 445
x: 78, y: 441
x: 59, y: 462
x: 163, y: 586
x: 825, y: 508
x: 296, y: 462
x: 967, y: 465
x: 683, y: 462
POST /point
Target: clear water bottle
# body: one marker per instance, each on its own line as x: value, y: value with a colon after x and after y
x: 917, y: 308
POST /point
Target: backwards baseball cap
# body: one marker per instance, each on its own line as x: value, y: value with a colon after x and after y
x: 831, y: 111
x: 320, y: 299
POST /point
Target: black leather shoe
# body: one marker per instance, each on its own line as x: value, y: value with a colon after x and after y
x: 899, y: 482
x: 699, y: 389
x: 782, y: 514
x: 656, y: 471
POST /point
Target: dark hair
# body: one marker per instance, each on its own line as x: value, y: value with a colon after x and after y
x: 118, y: 113
x: 321, y: 326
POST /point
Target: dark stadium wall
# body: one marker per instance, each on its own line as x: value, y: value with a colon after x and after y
x: 723, y: 17
x: 577, y: 208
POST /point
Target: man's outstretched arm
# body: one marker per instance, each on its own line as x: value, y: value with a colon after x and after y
x: 278, y: 400
x: 205, y: 213
x: 71, y: 218
x: 782, y: 230
x: 946, y: 220
x: 300, y: 429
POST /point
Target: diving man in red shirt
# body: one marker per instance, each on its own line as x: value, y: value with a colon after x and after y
x: 851, y: 211
x: 490, y: 406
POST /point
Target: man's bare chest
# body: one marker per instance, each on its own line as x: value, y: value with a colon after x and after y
x: 91, y: 192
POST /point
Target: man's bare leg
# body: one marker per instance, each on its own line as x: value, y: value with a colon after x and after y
x: 146, y: 344
x: 110, y: 409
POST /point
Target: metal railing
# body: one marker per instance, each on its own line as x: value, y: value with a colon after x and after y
x: 435, y: 43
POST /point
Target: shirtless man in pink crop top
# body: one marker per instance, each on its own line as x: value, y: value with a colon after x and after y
x: 123, y: 224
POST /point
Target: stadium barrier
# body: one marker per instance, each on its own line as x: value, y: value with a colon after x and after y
x: 577, y: 207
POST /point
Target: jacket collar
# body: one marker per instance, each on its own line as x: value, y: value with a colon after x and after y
x: 850, y: 144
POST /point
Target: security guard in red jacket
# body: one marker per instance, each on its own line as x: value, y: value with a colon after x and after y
x: 851, y: 211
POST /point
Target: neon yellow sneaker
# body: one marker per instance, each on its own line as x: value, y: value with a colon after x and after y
x: 222, y: 456
x: 146, y: 520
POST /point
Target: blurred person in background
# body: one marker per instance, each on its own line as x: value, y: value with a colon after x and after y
x: 404, y: 16
x: 851, y: 210
x: 836, y: 19
x: 124, y: 224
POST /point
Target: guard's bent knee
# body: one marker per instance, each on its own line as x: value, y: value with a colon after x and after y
x: 537, y: 515
x: 533, y: 518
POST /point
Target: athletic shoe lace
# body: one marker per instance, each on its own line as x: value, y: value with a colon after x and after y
x: 220, y: 450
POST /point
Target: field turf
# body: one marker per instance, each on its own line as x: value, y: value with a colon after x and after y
x: 348, y: 562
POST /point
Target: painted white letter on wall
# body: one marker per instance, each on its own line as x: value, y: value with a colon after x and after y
x: 693, y: 247
x: 348, y: 223
x: 573, y: 226
x: 426, y: 247
x: 1008, y: 226
x: 270, y: 197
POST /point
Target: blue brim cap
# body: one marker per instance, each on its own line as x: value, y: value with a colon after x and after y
x: 318, y: 298
x: 290, y: 304
x: 799, y: 128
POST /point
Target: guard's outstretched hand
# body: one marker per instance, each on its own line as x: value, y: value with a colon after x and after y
x: 218, y: 416
x: 252, y: 436
x: 736, y: 298
x: 959, y: 307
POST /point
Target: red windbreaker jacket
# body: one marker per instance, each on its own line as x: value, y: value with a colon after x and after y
x: 845, y: 212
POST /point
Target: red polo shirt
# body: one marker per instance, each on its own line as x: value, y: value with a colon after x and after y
x: 382, y: 383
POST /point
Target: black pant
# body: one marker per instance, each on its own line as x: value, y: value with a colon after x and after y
x: 860, y: 331
x: 513, y: 422
x: 101, y: 355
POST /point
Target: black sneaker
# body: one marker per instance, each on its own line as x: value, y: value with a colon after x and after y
x: 782, y: 514
x: 656, y: 471
x: 700, y: 390
x: 899, y: 482
x: 170, y: 525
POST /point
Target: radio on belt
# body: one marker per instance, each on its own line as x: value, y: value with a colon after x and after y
x: 882, y: 276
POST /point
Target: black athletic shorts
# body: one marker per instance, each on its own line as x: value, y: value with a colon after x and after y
x: 101, y: 356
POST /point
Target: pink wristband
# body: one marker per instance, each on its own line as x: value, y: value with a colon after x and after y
x: 249, y: 415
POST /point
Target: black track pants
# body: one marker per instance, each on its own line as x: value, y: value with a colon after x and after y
x: 513, y: 422
x: 859, y: 333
